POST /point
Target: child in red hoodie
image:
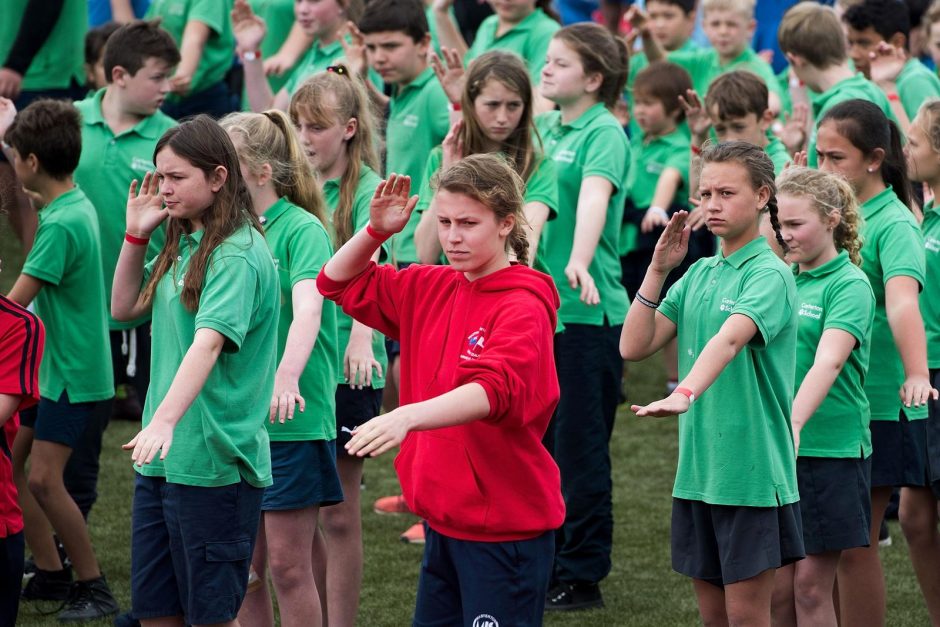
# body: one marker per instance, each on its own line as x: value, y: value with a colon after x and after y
x: 478, y: 388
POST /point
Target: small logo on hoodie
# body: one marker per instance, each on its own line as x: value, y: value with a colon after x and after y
x: 474, y: 344
x: 485, y: 620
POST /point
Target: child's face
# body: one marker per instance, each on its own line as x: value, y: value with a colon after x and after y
x: 563, y: 77
x: 325, y: 145
x: 319, y: 18
x: 730, y: 202
x: 471, y: 237
x: 748, y: 128
x: 651, y: 116
x: 838, y: 155
x: 728, y: 31
x: 806, y: 233
x: 669, y: 24
x: 145, y: 91
x: 187, y: 191
x: 923, y: 162
x: 862, y: 42
x: 933, y: 42
x: 25, y: 171
x: 396, y: 56
x: 512, y: 11
x: 498, y: 110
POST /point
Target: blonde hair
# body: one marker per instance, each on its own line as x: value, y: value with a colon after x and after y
x: 929, y: 112
x: 813, y: 32
x: 741, y: 7
x: 829, y: 194
x: 490, y: 180
x: 331, y: 98
x: 269, y: 138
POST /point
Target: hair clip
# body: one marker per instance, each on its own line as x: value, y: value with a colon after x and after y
x: 342, y: 70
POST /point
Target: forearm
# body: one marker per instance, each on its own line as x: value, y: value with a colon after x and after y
x: 260, y: 96
x: 589, y: 224
x: 295, y: 45
x: 666, y: 187
x: 652, y: 48
x: 637, y: 340
x: 459, y: 406
x: 195, y: 36
x: 301, y: 338
x: 813, y: 391
x: 8, y: 406
x: 125, y: 288
x: 536, y: 215
x: 718, y: 353
x: 122, y: 11
x: 897, y: 107
x: 190, y: 377
x: 448, y: 36
x: 379, y: 100
x: 907, y: 327
x: 352, y: 258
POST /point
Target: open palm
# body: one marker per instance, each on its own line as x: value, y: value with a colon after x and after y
x: 145, y: 209
x: 391, y: 205
x: 248, y: 28
x: 673, y: 244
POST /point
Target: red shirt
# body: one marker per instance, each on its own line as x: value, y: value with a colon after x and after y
x: 490, y: 480
x: 21, y: 342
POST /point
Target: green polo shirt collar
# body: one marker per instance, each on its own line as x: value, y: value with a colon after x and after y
x: 274, y: 212
x: 191, y: 239
x: 61, y: 202
x: 523, y: 26
x: 827, y: 268
x: 740, y: 256
x: 419, y: 81
x: 878, y: 202
x: 583, y: 120
x: 746, y: 56
x: 932, y: 207
x: 150, y: 127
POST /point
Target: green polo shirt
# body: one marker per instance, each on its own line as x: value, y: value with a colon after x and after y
x: 639, y: 62
x: 418, y: 120
x: 301, y: 245
x: 60, y: 59
x: 916, y: 84
x: 108, y: 164
x: 529, y: 39
x: 856, y: 86
x: 735, y: 442
x: 318, y: 58
x: 278, y: 15
x: 648, y: 159
x: 930, y: 298
x: 66, y: 257
x: 836, y: 295
x: 892, y: 246
x: 221, y: 439
x: 219, y: 50
x: 368, y: 181
x: 704, y: 66
x: 592, y: 145
x: 778, y: 153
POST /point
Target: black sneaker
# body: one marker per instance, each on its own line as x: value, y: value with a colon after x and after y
x: 29, y: 566
x: 573, y: 596
x: 126, y: 620
x: 48, y: 585
x: 89, y: 600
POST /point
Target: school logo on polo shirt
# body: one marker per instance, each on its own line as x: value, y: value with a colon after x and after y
x: 485, y: 620
x: 932, y: 244
x: 565, y: 156
x: 811, y: 311
x: 474, y: 344
x: 726, y: 304
x: 141, y: 165
x: 410, y: 120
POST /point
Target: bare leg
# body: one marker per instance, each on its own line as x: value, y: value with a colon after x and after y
x: 711, y: 603
x: 320, y: 558
x: 257, y: 609
x: 46, y: 484
x: 747, y: 602
x: 36, y: 528
x: 919, y: 523
x: 342, y: 525
x: 782, y: 607
x: 289, y: 536
x: 23, y: 218
x: 813, y: 587
x: 861, y: 579
x: 390, y: 396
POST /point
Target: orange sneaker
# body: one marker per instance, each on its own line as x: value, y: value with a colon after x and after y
x: 391, y: 505
x: 414, y: 534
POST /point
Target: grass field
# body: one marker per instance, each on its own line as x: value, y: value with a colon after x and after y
x: 641, y: 589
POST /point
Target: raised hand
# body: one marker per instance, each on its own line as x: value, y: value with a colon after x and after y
x: 354, y: 49
x: 248, y: 28
x: 696, y: 116
x: 452, y: 77
x: 7, y: 115
x: 696, y: 219
x: 673, y: 244
x: 453, y: 146
x: 442, y: 5
x: 653, y: 218
x: 793, y: 133
x: 886, y: 63
x: 391, y: 205
x: 638, y: 19
x: 11, y: 82
x: 276, y: 65
x: 145, y: 210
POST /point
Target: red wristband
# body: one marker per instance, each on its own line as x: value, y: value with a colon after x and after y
x: 377, y: 235
x: 894, y: 97
x: 696, y: 150
x: 687, y: 393
x: 455, y: 106
x: 137, y: 241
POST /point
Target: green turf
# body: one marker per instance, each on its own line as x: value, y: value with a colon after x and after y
x: 641, y: 590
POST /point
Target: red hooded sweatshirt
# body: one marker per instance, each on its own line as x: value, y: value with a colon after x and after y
x: 489, y: 480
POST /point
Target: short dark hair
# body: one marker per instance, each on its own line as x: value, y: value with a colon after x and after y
x: 687, y: 6
x: 737, y: 93
x: 51, y: 130
x: 133, y: 43
x: 665, y: 82
x: 96, y: 38
x: 887, y: 17
x: 405, y: 16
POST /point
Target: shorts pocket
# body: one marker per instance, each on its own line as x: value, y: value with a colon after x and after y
x: 235, y: 551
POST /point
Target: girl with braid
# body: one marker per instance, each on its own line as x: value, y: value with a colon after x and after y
x: 735, y: 515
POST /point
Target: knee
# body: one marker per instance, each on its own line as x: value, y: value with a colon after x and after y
x: 810, y: 594
x: 290, y: 570
x: 917, y: 525
x: 42, y: 483
x: 339, y: 521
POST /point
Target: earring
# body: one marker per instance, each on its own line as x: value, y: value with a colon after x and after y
x: 870, y: 170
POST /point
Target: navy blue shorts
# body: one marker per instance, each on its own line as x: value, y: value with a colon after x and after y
x: 483, y: 583
x: 191, y: 548
x: 64, y: 422
x: 899, y: 453
x: 11, y: 576
x: 724, y: 544
x: 304, y: 475
x: 835, y: 502
x: 353, y: 408
x: 933, y: 436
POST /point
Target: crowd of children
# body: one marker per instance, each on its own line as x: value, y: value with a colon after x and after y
x: 289, y: 235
